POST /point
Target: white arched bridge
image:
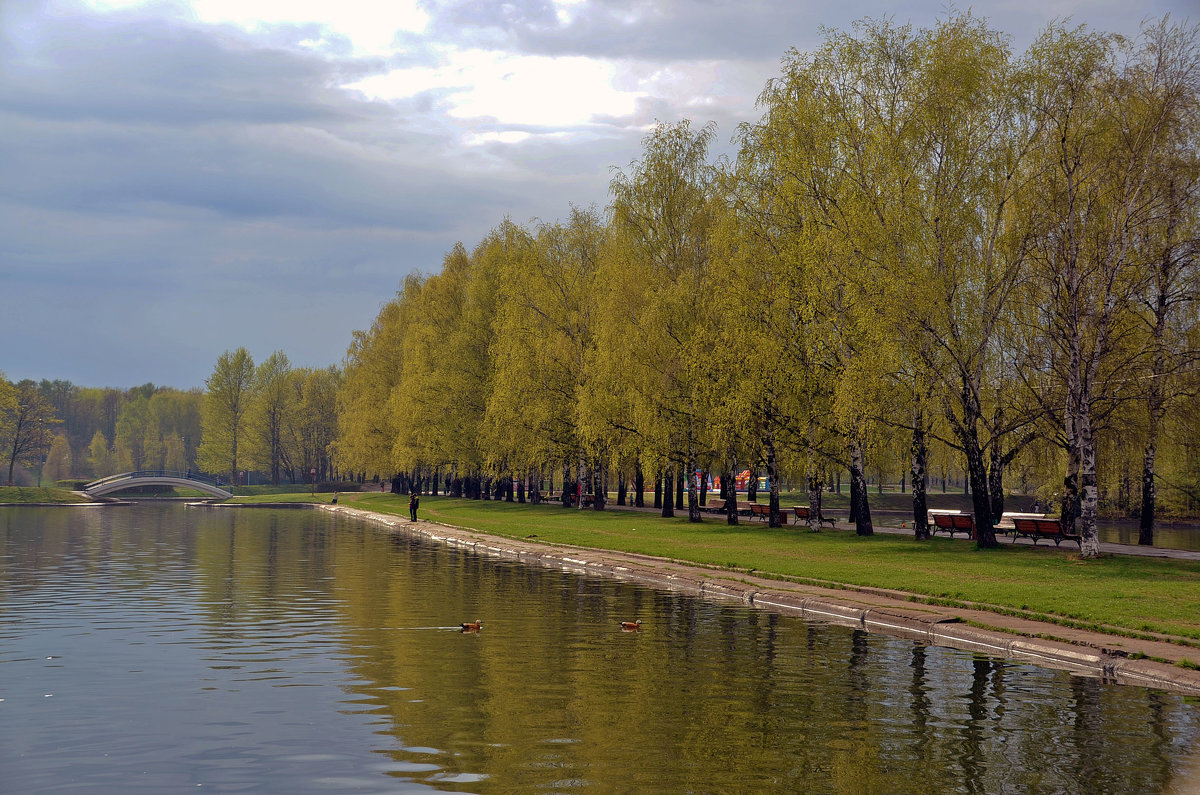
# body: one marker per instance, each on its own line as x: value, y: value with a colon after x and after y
x: 155, y: 477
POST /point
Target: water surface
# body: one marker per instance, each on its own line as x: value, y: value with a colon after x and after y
x: 158, y: 648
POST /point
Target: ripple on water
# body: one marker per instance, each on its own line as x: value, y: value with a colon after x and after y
x: 259, y: 652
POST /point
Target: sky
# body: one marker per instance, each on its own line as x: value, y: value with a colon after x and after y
x: 179, y: 178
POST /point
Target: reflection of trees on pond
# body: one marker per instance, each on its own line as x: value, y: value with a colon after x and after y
x: 707, y: 696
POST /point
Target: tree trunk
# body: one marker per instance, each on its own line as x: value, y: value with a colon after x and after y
x: 668, y: 504
x: 568, y: 485
x: 729, y: 486
x: 639, y: 486
x: 1156, y: 405
x: 853, y: 518
x: 772, y: 481
x: 582, y: 483
x: 858, y: 491
x: 919, y: 457
x: 980, y: 501
x: 976, y: 482
x: 693, y: 489
x: 814, y: 500
x: 1089, y: 495
x: 1146, y: 520
x: 996, y: 481
x: 621, y: 488
x: 658, y: 488
x: 679, y: 487
x: 599, y: 489
x: 1070, y: 496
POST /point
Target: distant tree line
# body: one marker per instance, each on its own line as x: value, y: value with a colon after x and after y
x: 272, y: 418
x: 927, y: 247
x: 286, y: 420
x: 67, y: 431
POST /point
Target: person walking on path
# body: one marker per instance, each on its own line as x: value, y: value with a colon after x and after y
x: 413, y: 502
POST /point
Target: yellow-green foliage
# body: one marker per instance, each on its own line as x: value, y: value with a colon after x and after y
x: 879, y: 255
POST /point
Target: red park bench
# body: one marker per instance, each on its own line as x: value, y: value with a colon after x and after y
x: 954, y: 523
x: 1037, y: 529
x: 759, y: 511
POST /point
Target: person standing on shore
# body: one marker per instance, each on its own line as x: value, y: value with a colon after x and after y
x: 413, y: 502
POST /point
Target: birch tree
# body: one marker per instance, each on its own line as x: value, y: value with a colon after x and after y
x: 26, y: 426
x: 226, y: 403
x: 1110, y: 111
x: 664, y: 210
x: 271, y: 412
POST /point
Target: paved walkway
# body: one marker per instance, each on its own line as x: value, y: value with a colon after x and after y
x: 1105, y: 547
x: 886, y: 524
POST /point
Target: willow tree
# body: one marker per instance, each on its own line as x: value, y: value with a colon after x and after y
x: 1169, y: 241
x: 812, y: 168
x: 663, y: 211
x: 439, y: 402
x: 376, y: 362
x: 612, y: 402
x: 973, y: 136
x: 901, y: 151
x: 544, y: 336
x: 312, y: 428
x: 770, y: 392
x: 1112, y: 110
x: 226, y: 403
x: 271, y: 412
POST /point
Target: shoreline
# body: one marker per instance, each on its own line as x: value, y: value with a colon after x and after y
x: 1113, y: 658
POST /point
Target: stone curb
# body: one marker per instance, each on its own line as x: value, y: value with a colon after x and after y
x: 933, y: 625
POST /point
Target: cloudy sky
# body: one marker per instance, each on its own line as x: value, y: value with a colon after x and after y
x: 183, y: 177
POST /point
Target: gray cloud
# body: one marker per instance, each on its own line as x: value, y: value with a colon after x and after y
x: 173, y: 189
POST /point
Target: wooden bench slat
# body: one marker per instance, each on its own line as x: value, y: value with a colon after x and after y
x: 1037, y: 529
x: 954, y: 523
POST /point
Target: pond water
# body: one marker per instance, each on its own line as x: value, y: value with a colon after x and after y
x: 158, y: 648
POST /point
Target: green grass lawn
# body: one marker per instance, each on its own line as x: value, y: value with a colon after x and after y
x: 1116, y: 592
x: 24, y: 495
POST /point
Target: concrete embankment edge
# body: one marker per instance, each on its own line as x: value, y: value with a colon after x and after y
x: 866, y: 610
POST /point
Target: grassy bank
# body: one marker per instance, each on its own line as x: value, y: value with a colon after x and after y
x: 26, y: 495
x: 1121, y: 593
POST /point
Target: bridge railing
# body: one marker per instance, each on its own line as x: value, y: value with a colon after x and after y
x: 154, y: 473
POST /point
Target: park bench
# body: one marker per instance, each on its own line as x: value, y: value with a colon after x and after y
x: 1037, y: 529
x: 802, y: 515
x: 954, y: 523
x: 1006, y: 519
x: 759, y: 511
x: 716, y: 506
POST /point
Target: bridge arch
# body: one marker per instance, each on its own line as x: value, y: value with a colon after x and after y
x: 155, y: 477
